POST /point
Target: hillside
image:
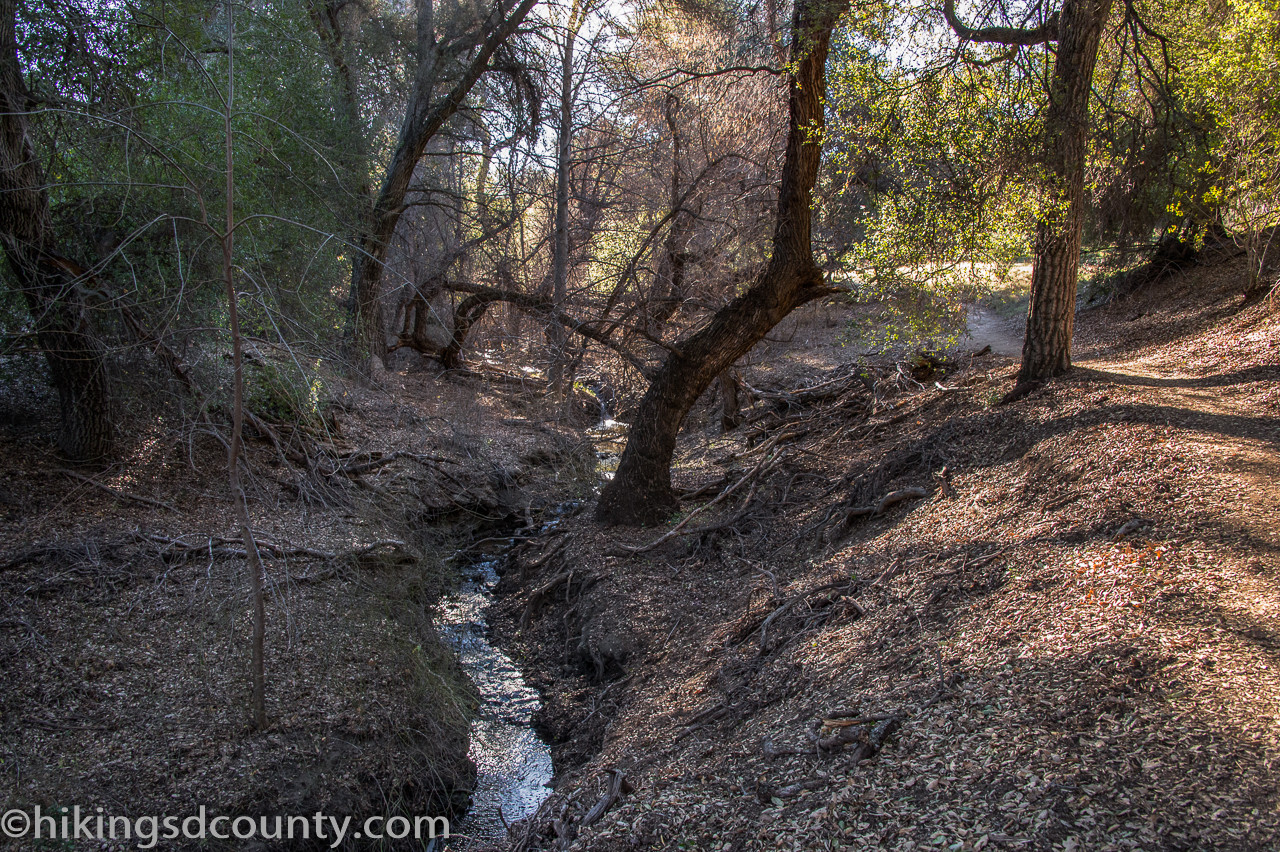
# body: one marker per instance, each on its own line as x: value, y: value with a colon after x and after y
x: 893, y: 614
x: 1067, y: 637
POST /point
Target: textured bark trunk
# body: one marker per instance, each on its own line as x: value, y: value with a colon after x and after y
x: 49, y: 285
x: 424, y: 117
x: 730, y: 417
x: 326, y: 19
x: 1051, y: 314
x: 641, y: 490
x: 468, y: 313
x: 667, y: 293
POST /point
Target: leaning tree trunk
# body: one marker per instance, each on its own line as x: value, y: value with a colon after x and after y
x: 641, y: 490
x: 49, y: 284
x: 1046, y: 350
x: 423, y: 119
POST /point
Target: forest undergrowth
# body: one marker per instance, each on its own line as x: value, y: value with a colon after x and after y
x: 125, y: 609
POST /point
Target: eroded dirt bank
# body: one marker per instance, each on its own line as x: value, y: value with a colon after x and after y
x: 1060, y: 631
x: 124, y: 611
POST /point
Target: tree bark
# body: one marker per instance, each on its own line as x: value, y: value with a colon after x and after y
x: 560, y: 259
x: 641, y: 492
x: 424, y: 116
x: 326, y: 19
x: 1051, y: 315
x: 471, y: 309
x: 50, y: 285
x: 235, y: 447
x: 668, y: 279
x: 730, y: 416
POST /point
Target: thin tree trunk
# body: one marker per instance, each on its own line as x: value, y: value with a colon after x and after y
x: 641, y: 490
x: 51, y: 290
x: 257, y: 697
x: 1051, y: 315
x: 560, y: 251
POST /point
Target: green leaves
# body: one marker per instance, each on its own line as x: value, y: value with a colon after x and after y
x: 932, y: 183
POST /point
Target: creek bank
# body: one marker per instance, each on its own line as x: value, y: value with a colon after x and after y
x: 1071, y: 627
x: 126, y: 660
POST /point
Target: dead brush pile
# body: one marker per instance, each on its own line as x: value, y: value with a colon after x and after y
x: 897, y: 617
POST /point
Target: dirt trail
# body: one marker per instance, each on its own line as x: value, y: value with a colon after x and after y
x: 987, y: 328
x: 1237, y: 435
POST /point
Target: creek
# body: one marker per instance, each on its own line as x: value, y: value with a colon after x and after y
x: 513, y: 764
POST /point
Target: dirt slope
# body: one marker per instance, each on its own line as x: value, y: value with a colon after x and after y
x: 1074, y: 634
x: 124, y: 617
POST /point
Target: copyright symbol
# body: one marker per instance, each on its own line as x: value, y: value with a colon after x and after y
x: 15, y: 823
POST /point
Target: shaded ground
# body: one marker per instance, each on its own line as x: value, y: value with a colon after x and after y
x: 1075, y: 630
x: 124, y: 613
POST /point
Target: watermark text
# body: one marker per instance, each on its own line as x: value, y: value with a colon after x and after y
x: 146, y: 832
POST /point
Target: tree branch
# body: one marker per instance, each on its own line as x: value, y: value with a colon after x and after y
x: 1046, y: 32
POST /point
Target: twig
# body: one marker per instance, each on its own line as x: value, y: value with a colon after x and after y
x: 889, y: 573
x: 537, y: 596
x: 123, y: 495
x: 831, y: 597
x: 868, y: 742
x: 844, y: 718
x: 796, y: 789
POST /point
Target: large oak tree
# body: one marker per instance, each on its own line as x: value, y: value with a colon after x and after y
x: 641, y: 491
x: 1077, y: 30
x: 52, y: 286
x: 448, y: 64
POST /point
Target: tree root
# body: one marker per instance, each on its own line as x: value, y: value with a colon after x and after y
x: 765, y: 464
x: 890, y: 499
x: 217, y: 546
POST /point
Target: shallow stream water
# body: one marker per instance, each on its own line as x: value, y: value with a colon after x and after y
x: 513, y: 764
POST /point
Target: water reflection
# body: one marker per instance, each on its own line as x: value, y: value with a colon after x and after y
x: 513, y: 765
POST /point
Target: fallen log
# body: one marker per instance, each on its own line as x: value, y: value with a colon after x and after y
x: 890, y: 499
x: 867, y: 742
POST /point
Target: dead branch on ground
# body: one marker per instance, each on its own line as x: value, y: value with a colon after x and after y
x: 115, y: 492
